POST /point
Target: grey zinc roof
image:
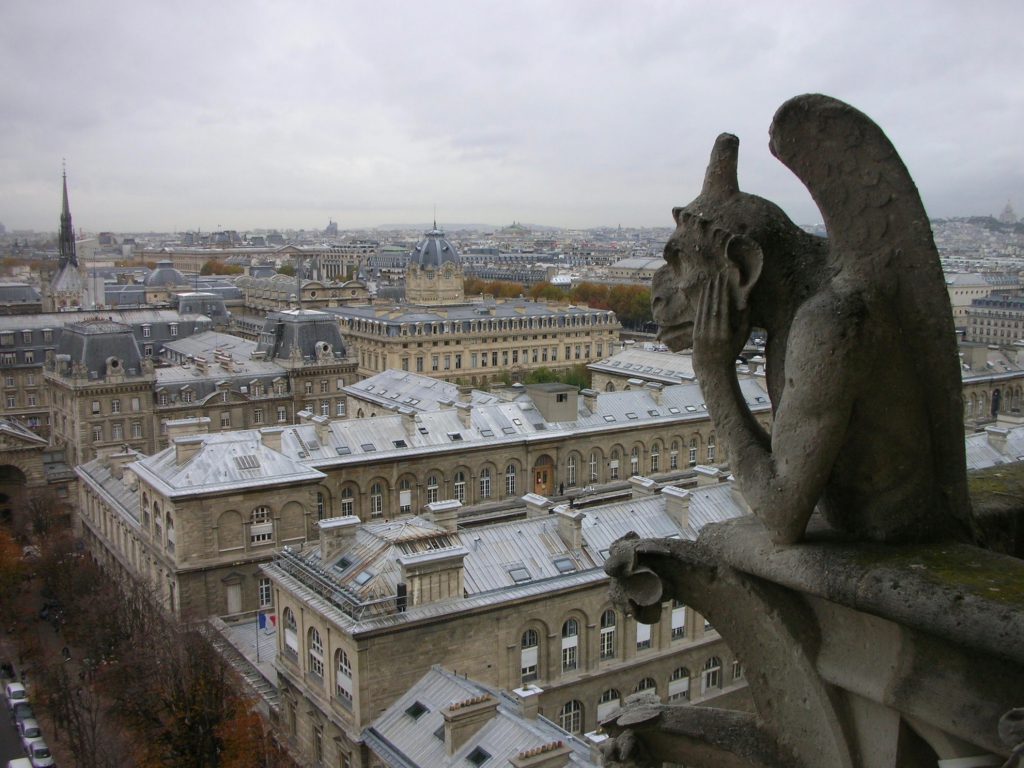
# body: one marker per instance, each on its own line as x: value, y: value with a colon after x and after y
x: 408, y: 742
x: 510, y: 308
x: 404, y: 389
x: 18, y: 293
x: 1004, y: 447
x: 94, y: 343
x: 674, y: 367
x: 300, y: 332
x: 433, y: 250
x: 122, y: 496
x: 218, y: 465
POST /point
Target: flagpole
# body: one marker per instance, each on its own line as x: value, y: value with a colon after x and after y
x: 258, y: 614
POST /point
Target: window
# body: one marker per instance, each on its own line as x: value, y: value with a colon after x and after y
x: 634, y: 461
x: 148, y: 350
x: 31, y: 399
x: 30, y: 356
x: 318, y: 745
x: 117, y: 432
x: 485, y: 483
x: 308, y: 387
x: 647, y: 684
x: 95, y: 407
x: 737, y: 670
x: 570, y: 717
x: 613, y: 466
x: 225, y: 419
x: 136, y: 430
x: 170, y: 534
x: 643, y: 636
x: 593, y: 467
x: 570, y: 645
x: 282, y: 413
x: 315, y: 653
x: 163, y: 398
x: 711, y: 676
x: 97, y: 434
x: 707, y: 625
x: 528, y: 655
x: 478, y: 756
x: 510, y: 480
x: 257, y: 416
x: 460, y: 487
x: 432, y: 489
x: 673, y: 457
x: 146, y: 331
x: 608, y: 702
x: 11, y: 401
x: 347, y: 502
x: 655, y: 458
x: 8, y: 381
x: 26, y: 337
x: 678, y: 620
x: 136, y: 404
x: 265, y: 598
x: 261, y: 528
x: 320, y: 506
x: 325, y: 407
x: 173, y: 329
x: 608, y: 634
x: 570, y: 471
x: 343, y: 677
x: 693, y: 451
x: 376, y: 500
x: 405, y: 496
x: 324, y: 386
x: 679, y: 685
x: 291, y: 638
x: 115, y: 406
x: 711, y: 449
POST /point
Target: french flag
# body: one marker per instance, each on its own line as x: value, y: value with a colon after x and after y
x: 267, y: 621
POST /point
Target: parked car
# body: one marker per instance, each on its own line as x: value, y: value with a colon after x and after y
x: 29, y: 730
x: 15, y: 692
x: 21, y: 710
x: 39, y: 754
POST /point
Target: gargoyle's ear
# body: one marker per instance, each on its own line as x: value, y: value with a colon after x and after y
x: 746, y: 258
x: 676, y: 213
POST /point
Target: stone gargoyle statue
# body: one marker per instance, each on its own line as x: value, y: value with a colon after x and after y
x: 862, y: 366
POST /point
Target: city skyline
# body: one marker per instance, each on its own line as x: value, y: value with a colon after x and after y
x: 575, y: 115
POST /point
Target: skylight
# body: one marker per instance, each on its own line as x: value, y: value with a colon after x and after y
x: 400, y: 444
x: 416, y: 710
x: 247, y: 461
x: 519, y: 574
x: 363, y: 577
x: 609, y: 418
x: 478, y: 756
x: 631, y: 415
x: 368, y: 447
x: 564, y: 564
x: 343, y: 450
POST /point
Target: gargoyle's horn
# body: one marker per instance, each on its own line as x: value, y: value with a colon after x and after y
x: 720, y: 180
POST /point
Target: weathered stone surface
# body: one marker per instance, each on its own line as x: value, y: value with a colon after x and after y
x: 861, y: 358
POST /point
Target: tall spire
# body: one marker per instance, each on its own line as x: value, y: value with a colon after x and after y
x: 67, y: 232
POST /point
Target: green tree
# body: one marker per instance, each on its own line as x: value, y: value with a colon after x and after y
x: 286, y: 269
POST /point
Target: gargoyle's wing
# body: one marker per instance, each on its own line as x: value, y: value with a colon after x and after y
x: 879, y: 231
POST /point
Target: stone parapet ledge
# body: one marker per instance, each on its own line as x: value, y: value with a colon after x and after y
x: 962, y: 594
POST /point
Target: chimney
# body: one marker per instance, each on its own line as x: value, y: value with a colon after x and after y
x: 465, y: 393
x: 408, y: 420
x: 997, y: 437
x: 187, y: 447
x: 464, y: 719
x: 323, y: 428
x: 528, y: 698
x: 444, y: 513
x: 590, y: 399
x: 434, y: 575
x: 708, y: 475
x: 677, y: 506
x: 536, y: 505
x: 182, y: 427
x: 445, y: 403
x: 641, y: 486
x: 117, y: 460
x: 554, y: 754
x: 271, y: 438
x: 465, y: 414
x: 305, y: 416
x: 655, y: 389
x: 570, y: 526
x: 336, y: 536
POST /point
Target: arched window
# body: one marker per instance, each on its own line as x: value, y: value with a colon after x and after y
x: 320, y: 507
x: 570, y: 717
x: 647, y: 684
x: 593, y: 467
x: 158, y: 525
x: 570, y: 645
x: 711, y: 676
x: 613, y: 465
x: 608, y: 634
x: 261, y: 529
x: 347, y: 502
x: 485, y: 483
x: 655, y: 458
x: 673, y: 456
x: 678, y: 620
x: 343, y: 677
x: 679, y: 685
x: 711, y: 449
x: 608, y: 702
x: 510, y: 480
x: 404, y: 496
x: 528, y: 655
x: 737, y: 670
x: 693, y: 451
x: 431, y: 489
x: 170, y: 533
x: 315, y: 653
x: 291, y: 637
x: 376, y: 500
x: 634, y: 461
x: 459, y: 487
x: 570, y: 471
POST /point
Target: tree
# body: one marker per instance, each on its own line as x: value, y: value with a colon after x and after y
x: 548, y: 291
x: 286, y: 269
x: 12, y: 568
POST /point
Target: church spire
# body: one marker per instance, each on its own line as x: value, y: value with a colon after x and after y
x: 67, y: 232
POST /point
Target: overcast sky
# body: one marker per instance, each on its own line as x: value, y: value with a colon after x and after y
x: 237, y: 115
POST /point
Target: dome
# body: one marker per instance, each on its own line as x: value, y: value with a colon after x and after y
x: 165, y: 274
x: 433, y: 250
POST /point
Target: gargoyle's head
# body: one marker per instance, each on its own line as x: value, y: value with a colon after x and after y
x: 723, y: 229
